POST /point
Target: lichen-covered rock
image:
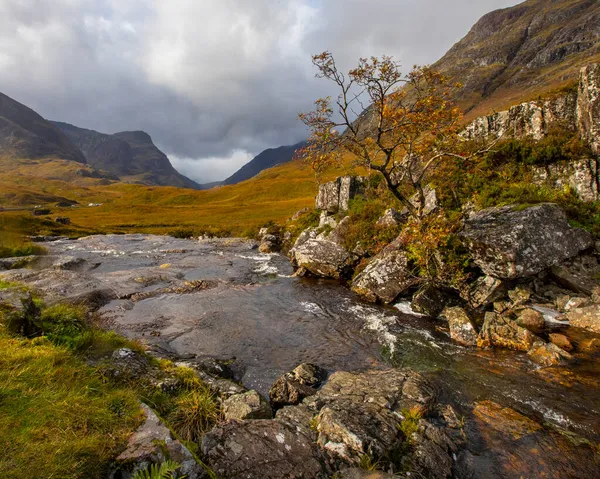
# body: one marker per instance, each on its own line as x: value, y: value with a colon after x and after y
x: 548, y: 354
x: 327, y: 220
x: 270, y: 243
x: 461, y: 327
x: 248, y: 405
x: 430, y: 301
x: 499, y: 331
x: 579, y: 175
x: 585, y: 318
x: 323, y: 258
x: 510, y: 243
x: 386, y: 277
x: 291, y: 388
x: 531, y: 319
x: 336, y: 195
x: 153, y: 443
x: 485, y: 290
x: 263, y: 449
x: 307, y: 234
x: 390, y: 217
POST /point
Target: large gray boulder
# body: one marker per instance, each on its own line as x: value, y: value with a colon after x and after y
x: 386, y: 277
x: 510, y: 243
x: 335, y: 195
x: 263, y: 449
x: 461, y: 327
x: 323, y: 258
x: 248, y: 405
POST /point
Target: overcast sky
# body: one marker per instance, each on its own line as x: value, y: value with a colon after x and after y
x: 214, y: 82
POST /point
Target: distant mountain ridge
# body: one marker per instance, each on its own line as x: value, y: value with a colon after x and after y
x: 24, y: 133
x: 513, y: 54
x: 267, y: 159
x: 130, y: 155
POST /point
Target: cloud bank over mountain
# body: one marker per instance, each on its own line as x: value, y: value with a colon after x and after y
x: 213, y: 81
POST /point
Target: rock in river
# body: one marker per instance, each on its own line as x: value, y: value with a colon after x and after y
x: 323, y: 258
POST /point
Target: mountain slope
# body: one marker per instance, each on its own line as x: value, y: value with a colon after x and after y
x: 131, y: 155
x: 520, y: 52
x: 266, y: 159
x: 25, y: 134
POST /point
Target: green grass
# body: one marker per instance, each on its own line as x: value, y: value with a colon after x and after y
x: 58, y: 418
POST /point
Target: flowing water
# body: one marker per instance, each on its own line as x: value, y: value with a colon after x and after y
x: 252, y: 309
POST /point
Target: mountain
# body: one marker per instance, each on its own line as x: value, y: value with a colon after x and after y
x: 25, y: 134
x: 266, y: 159
x: 517, y: 53
x: 131, y: 155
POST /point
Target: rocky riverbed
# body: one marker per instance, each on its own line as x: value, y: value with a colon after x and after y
x: 499, y: 413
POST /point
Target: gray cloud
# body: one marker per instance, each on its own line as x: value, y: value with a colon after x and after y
x: 213, y: 81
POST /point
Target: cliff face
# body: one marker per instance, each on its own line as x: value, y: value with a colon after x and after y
x: 523, y: 51
x: 130, y: 155
x: 25, y: 134
x: 578, y: 110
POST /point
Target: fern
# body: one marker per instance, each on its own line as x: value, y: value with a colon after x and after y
x: 166, y: 470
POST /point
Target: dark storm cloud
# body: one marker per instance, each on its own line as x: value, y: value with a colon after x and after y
x: 213, y: 81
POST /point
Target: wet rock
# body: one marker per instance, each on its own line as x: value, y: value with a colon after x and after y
x: 336, y: 195
x: 430, y: 301
x: 263, y: 449
x: 385, y: 278
x: 561, y: 341
x: 531, y: 319
x: 390, y: 218
x: 323, y: 258
x: 69, y: 263
x: 291, y: 388
x: 510, y: 243
x: 153, y: 443
x: 485, y: 290
x: 566, y: 303
x: 548, y: 354
x: 499, y: 331
x: 461, y: 327
x: 505, y: 420
x: 249, y: 405
x: 585, y: 318
x: 270, y: 243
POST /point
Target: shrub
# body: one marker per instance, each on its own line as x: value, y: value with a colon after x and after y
x: 195, y: 413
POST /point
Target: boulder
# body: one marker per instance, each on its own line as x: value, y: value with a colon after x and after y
x: 461, y: 327
x: 548, y: 354
x: 499, y: 331
x: 153, y: 443
x: 63, y: 220
x: 336, y: 195
x: 561, y: 341
x: 248, y: 405
x: 323, y: 258
x: 292, y: 387
x: 531, y: 319
x: 485, y: 290
x: 510, y: 243
x: 307, y: 234
x: 585, y: 318
x: 430, y: 301
x: 386, y: 277
x: 572, y: 280
x: 263, y: 449
x: 432, y: 202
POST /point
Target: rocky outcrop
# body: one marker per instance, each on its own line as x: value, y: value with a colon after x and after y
x: 585, y: 318
x: 579, y: 175
x: 153, y: 443
x: 336, y: 195
x: 509, y: 243
x: 386, y: 277
x: 323, y: 258
x: 588, y: 106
